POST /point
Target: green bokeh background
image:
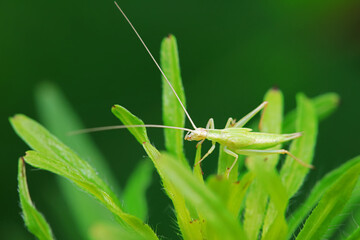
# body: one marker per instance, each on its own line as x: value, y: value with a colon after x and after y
x: 231, y: 52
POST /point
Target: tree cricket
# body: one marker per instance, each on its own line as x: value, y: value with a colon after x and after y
x: 235, y: 139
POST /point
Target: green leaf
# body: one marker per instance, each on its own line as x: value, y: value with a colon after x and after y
x: 270, y: 183
x: 129, y: 119
x: 33, y: 219
x: 347, y: 217
x: 189, y: 229
x: 218, y: 218
x: 58, y: 116
x: 220, y: 186
x: 257, y: 199
x: 108, y: 231
x: 255, y: 208
x: 355, y: 235
x: 351, y: 212
x: 135, y: 192
x: 238, y: 192
x: 292, y: 173
x: 198, y: 173
x: 274, y: 222
x: 173, y: 113
x: 330, y: 205
x: 54, y: 156
x: 197, y: 167
x: 271, y: 122
x: 231, y: 193
x: 324, y: 105
x: 317, y: 192
x: 272, y: 115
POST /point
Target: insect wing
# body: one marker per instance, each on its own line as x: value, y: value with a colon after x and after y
x: 237, y: 130
x: 235, y: 138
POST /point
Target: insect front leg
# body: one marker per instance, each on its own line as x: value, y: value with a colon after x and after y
x: 250, y: 115
x: 265, y: 152
x: 210, y: 125
x: 208, y: 153
x: 231, y: 153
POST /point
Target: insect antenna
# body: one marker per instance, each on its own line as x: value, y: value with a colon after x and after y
x: 106, y: 128
x: 158, y: 66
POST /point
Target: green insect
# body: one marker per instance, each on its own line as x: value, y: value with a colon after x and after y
x: 235, y: 139
x: 238, y: 140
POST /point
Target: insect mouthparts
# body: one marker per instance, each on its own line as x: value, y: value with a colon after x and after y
x: 188, y: 136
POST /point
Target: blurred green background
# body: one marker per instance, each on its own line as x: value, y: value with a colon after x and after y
x: 231, y: 53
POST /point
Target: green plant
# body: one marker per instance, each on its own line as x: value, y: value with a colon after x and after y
x: 251, y: 204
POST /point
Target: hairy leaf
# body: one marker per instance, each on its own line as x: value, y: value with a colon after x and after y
x: 223, y: 225
x: 54, y: 156
x: 259, y: 191
x: 317, y: 192
x: 33, y: 219
x: 59, y: 118
x: 188, y: 229
x: 292, y: 173
x: 330, y: 205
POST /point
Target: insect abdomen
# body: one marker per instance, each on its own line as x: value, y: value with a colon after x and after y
x: 238, y: 139
x: 268, y: 140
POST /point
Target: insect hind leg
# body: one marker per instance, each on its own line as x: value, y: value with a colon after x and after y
x: 210, y: 124
x: 264, y: 152
x: 250, y: 115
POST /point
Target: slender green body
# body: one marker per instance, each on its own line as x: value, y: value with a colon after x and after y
x: 238, y: 140
x: 244, y: 138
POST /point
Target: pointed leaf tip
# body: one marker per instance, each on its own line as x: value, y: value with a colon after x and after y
x: 173, y: 113
x: 127, y: 118
x: 34, y: 220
